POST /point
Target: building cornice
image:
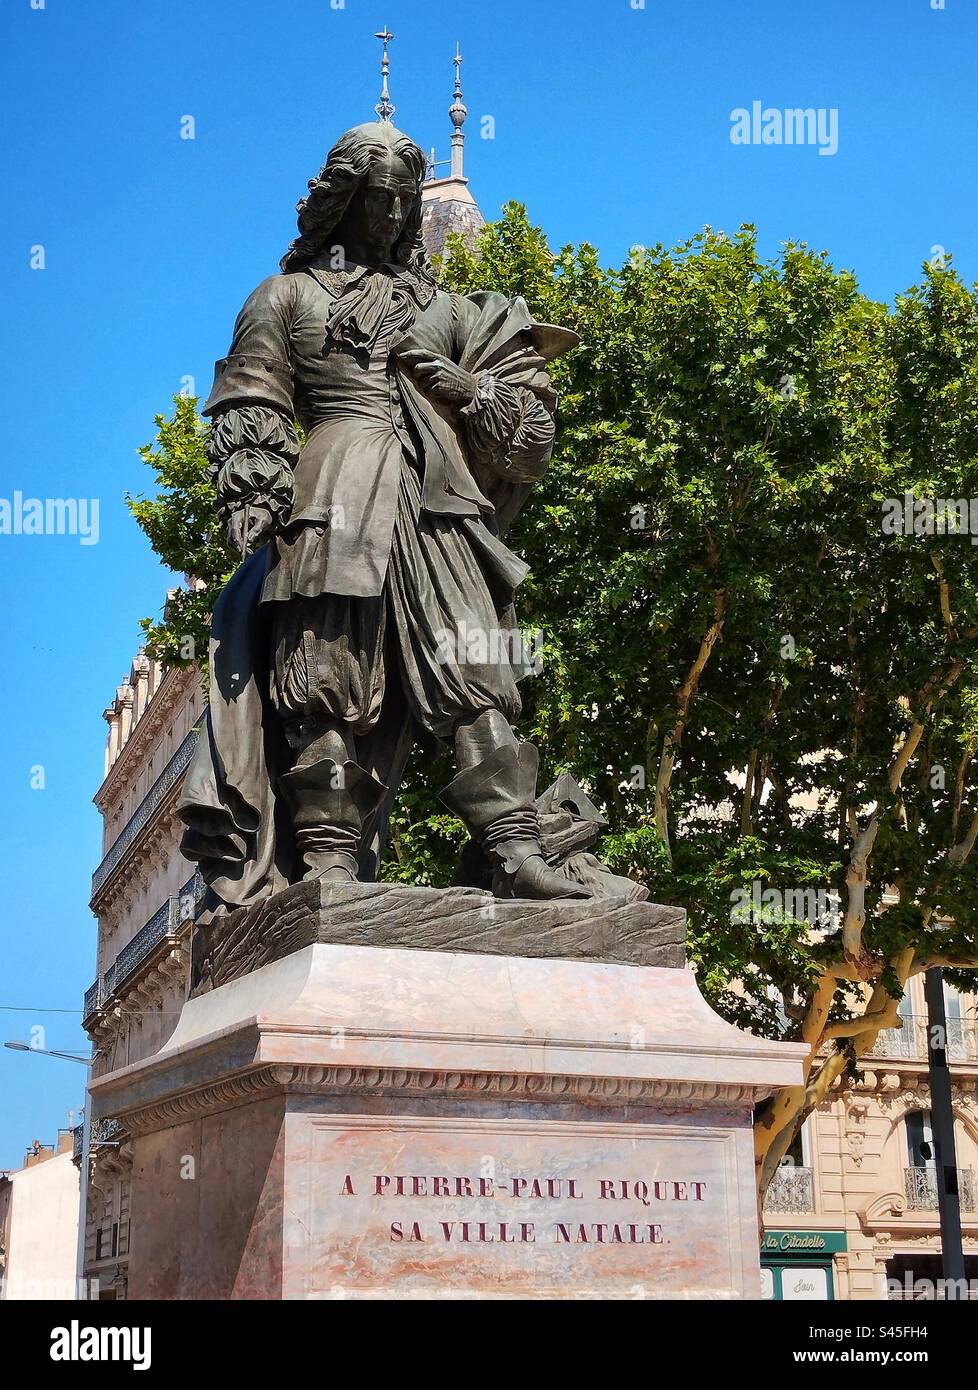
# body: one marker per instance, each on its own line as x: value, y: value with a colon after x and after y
x: 154, y: 806
x: 283, y: 1080
x: 889, y: 1212
x: 447, y: 190
x: 177, y: 683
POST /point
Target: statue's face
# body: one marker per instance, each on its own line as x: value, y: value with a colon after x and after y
x: 381, y: 206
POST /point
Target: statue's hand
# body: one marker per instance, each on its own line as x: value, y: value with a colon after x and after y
x: 248, y: 527
x: 439, y: 377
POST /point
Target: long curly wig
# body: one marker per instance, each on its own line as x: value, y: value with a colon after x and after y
x: 347, y: 166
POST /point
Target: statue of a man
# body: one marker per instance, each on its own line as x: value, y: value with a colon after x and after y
x: 373, y: 554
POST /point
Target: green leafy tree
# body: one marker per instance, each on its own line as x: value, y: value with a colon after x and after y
x: 182, y: 527
x: 774, y: 698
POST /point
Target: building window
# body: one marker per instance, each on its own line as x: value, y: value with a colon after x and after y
x: 107, y: 1241
x: 792, y: 1189
x: 920, y: 1139
x: 920, y: 1174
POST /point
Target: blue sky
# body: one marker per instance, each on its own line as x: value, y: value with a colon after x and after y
x: 612, y: 124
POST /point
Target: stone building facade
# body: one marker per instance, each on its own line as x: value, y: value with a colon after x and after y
x: 144, y: 894
x: 853, y: 1211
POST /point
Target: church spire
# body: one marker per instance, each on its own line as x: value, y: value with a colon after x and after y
x: 385, y: 108
x: 448, y: 206
x: 458, y: 112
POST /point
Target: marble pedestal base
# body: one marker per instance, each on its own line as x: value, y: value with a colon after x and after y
x: 368, y: 1122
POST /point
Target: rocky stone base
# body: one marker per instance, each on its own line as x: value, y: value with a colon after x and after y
x: 388, y: 915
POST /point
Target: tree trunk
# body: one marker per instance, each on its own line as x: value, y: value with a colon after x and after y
x: 684, y: 699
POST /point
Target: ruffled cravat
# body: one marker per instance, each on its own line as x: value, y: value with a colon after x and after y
x: 367, y: 303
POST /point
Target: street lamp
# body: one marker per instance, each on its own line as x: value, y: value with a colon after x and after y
x: 86, y: 1144
x: 942, y: 1127
x: 68, y: 1056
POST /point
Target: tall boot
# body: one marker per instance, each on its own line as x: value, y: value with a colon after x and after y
x: 495, y: 800
x: 329, y: 802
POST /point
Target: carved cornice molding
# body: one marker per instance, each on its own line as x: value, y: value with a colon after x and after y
x: 909, y: 1088
x: 931, y: 1240
x: 882, y: 1209
x: 889, y: 1217
x: 307, y: 1079
x: 111, y: 1166
x: 177, y: 687
x: 147, y: 854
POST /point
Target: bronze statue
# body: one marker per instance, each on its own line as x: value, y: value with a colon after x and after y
x: 374, y: 552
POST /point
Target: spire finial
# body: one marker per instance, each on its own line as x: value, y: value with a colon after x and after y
x: 458, y: 112
x: 385, y: 108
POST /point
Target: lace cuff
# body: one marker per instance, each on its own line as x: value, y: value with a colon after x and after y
x: 252, y: 452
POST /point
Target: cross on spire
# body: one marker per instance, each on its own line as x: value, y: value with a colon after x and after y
x: 385, y: 108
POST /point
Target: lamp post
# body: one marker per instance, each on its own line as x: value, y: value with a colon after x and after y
x: 942, y: 1128
x: 86, y: 1145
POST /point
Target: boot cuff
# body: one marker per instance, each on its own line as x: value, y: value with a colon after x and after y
x: 500, y: 785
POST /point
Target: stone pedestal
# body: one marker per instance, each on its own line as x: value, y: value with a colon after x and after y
x: 377, y: 1121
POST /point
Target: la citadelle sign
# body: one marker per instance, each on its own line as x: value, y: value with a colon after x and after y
x: 803, y: 1242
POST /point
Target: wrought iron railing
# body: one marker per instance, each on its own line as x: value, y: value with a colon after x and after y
x: 143, y: 944
x: 94, y: 999
x: 103, y: 1132
x: 174, y: 769
x: 791, y: 1189
x: 910, y: 1041
x: 162, y: 924
x: 920, y: 1186
x: 192, y: 895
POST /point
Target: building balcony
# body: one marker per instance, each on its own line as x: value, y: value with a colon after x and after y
x: 162, y: 926
x: 909, y: 1042
x: 94, y: 999
x: 103, y: 1132
x: 920, y: 1186
x: 150, y: 803
x: 792, y: 1189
